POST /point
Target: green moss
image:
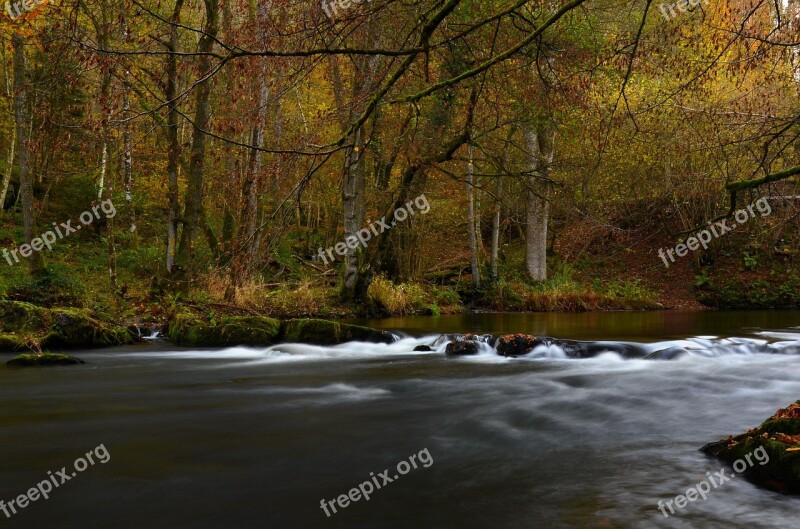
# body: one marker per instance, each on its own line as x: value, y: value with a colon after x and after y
x: 10, y: 342
x: 250, y: 329
x: 189, y: 329
x: 18, y: 316
x: 787, y: 426
x: 325, y: 332
x: 75, y: 328
x: 782, y: 468
x: 56, y: 327
x: 42, y: 360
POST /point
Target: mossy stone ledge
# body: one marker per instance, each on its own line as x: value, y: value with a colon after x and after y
x: 780, y: 438
x: 325, y: 332
x: 10, y: 342
x: 22, y: 324
x: 43, y: 360
x: 191, y: 330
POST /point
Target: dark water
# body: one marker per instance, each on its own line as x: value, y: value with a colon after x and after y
x: 255, y: 438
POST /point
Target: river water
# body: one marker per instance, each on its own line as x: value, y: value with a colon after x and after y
x: 256, y: 438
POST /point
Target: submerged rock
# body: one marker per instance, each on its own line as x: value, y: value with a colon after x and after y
x: 325, y: 332
x: 778, y: 439
x: 191, y: 330
x: 43, y: 359
x: 423, y: 348
x: 670, y: 353
x: 462, y: 347
x: 452, y: 337
x: 578, y: 349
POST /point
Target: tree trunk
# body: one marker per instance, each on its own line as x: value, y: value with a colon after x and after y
x: 13, y: 147
x: 473, y: 236
x: 127, y: 161
x: 245, y: 248
x: 194, y: 186
x: 539, y: 140
x: 354, y: 208
x: 22, y: 120
x: 498, y: 209
x: 9, y: 167
x: 354, y: 181
x: 173, y: 146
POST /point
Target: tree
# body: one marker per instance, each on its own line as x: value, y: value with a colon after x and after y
x: 22, y: 124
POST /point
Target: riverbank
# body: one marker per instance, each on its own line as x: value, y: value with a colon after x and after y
x: 592, y: 268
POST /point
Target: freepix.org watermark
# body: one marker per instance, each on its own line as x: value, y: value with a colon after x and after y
x: 53, y: 481
x: 344, y: 4
x: 718, y: 229
x: 366, y: 488
x: 365, y: 234
x: 702, y: 489
x: 62, y: 229
x: 14, y: 10
x: 682, y: 5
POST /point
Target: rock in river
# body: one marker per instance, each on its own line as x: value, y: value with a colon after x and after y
x: 42, y: 360
x: 325, y: 332
x: 517, y: 344
x: 773, y: 449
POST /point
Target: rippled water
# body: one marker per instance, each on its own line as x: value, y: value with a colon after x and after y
x: 255, y: 438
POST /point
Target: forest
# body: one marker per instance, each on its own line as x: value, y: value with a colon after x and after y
x: 247, y: 157
x: 388, y: 264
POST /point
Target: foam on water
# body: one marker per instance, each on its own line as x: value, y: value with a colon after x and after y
x: 681, y: 349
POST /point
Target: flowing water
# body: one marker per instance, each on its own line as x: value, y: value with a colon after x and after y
x: 256, y: 438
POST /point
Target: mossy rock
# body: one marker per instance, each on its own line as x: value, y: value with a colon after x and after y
x: 780, y: 437
x: 462, y: 348
x: 10, y: 342
x: 43, y: 360
x: 189, y: 329
x: 75, y: 328
x: 516, y: 344
x: 325, y: 332
x: 57, y: 328
x: 18, y: 317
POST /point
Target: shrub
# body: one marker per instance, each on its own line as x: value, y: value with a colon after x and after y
x: 55, y: 288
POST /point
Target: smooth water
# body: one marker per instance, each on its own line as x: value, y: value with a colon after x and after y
x: 256, y: 438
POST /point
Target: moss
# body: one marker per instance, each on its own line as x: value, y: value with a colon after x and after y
x: 10, y: 342
x: 18, y: 316
x: 775, y: 436
x: 42, y: 360
x: 189, y: 329
x: 56, y: 327
x: 75, y: 328
x: 782, y: 468
x: 787, y: 426
x: 325, y: 332
x: 250, y: 329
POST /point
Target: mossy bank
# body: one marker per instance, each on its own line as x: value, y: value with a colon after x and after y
x: 26, y: 326
x: 196, y: 330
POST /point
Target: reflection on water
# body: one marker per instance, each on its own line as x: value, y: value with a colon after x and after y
x: 635, y: 326
x: 254, y: 438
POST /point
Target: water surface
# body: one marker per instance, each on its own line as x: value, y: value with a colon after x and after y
x: 255, y: 438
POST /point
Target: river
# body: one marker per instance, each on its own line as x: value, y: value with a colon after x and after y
x: 258, y: 438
